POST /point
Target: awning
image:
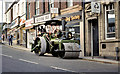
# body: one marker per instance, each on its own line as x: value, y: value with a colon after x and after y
x: 17, y: 29
x: 28, y: 23
x: 41, y: 23
x: 53, y: 22
x: 12, y: 31
x: 29, y: 27
x: 73, y: 24
x: 68, y: 15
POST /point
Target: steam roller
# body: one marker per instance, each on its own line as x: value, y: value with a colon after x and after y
x: 57, y: 47
x: 60, y: 43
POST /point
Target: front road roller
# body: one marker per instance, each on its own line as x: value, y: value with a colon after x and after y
x: 69, y: 50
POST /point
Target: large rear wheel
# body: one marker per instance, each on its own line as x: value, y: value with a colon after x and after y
x: 41, y: 49
x: 38, y: 52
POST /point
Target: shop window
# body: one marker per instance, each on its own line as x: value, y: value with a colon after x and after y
x: 69, y: 3
x: 37, y: 9
x: 110, y: 21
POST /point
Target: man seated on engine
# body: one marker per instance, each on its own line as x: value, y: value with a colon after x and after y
x: 42, y: 31
x: 57, y: 33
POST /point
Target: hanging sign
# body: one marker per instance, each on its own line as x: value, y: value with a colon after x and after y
x: 95, y: 6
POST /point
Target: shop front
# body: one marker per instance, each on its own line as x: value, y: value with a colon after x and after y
x: 5, y: 29
x: 74, y: 24
x: 40, y: 21
x: 14, y: 31
x: 30, y: 32
x: 22, y: 32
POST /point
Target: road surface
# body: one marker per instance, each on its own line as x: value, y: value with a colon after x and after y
x: 16, y: 60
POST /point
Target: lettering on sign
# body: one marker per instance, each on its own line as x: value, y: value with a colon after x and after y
x: 43, y: 18
x: 71, y: 18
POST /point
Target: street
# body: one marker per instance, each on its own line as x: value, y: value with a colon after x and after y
x: 16, y: 60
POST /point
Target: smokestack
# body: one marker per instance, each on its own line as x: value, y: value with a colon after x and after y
x: 63, y: 23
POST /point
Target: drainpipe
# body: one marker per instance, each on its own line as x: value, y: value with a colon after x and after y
x: 26, y: 19
x: 83, y: 4
x: 2, y: 18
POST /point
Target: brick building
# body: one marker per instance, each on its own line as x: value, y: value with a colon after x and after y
x: 37, y: 9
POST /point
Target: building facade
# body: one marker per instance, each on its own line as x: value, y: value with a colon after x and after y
x: 50, y: 9
x: 102, y: 29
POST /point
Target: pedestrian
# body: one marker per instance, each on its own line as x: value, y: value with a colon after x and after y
x: 10, y: 39
x: 3, y: 38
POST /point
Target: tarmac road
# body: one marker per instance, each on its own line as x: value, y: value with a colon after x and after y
x: 15, y: 60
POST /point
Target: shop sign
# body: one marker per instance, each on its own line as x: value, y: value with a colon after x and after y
x: 28, y: 23
x: 22, y: 21
x: 71, y: 18
x: 43, y: 18
x: 54, y: 10
x: 14, y: 23
x: 95, y: 6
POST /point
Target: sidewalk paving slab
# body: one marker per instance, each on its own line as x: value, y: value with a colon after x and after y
x: 102, y: 60
x: 17, y: 46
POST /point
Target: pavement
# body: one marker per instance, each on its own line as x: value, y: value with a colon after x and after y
x: 95, y: 59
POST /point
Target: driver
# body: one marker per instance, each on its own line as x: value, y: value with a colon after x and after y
x: 58, y: 33
x: 42, y: 30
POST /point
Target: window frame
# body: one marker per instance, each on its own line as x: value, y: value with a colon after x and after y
x: 18, y: 9
x: 23, y: 5
x: 108, y: 9
x: 37, y: 7
x: 52, y: 3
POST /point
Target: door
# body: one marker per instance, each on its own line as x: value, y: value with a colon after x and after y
x: 95, y: 37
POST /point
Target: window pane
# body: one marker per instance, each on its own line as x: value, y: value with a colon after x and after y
x: 37, y: 11
x: 69, y: 3
x: 37, y: 4
x: 23, y: 8
x: 111, y: 23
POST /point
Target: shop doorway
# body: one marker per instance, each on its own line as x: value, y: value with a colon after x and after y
x: 94, y: 38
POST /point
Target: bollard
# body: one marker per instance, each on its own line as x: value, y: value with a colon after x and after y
x: 117, y: 53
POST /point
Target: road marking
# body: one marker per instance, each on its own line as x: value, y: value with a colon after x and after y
x: 62, y: 69
x: 28, y: 61
x: 6, y: 55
